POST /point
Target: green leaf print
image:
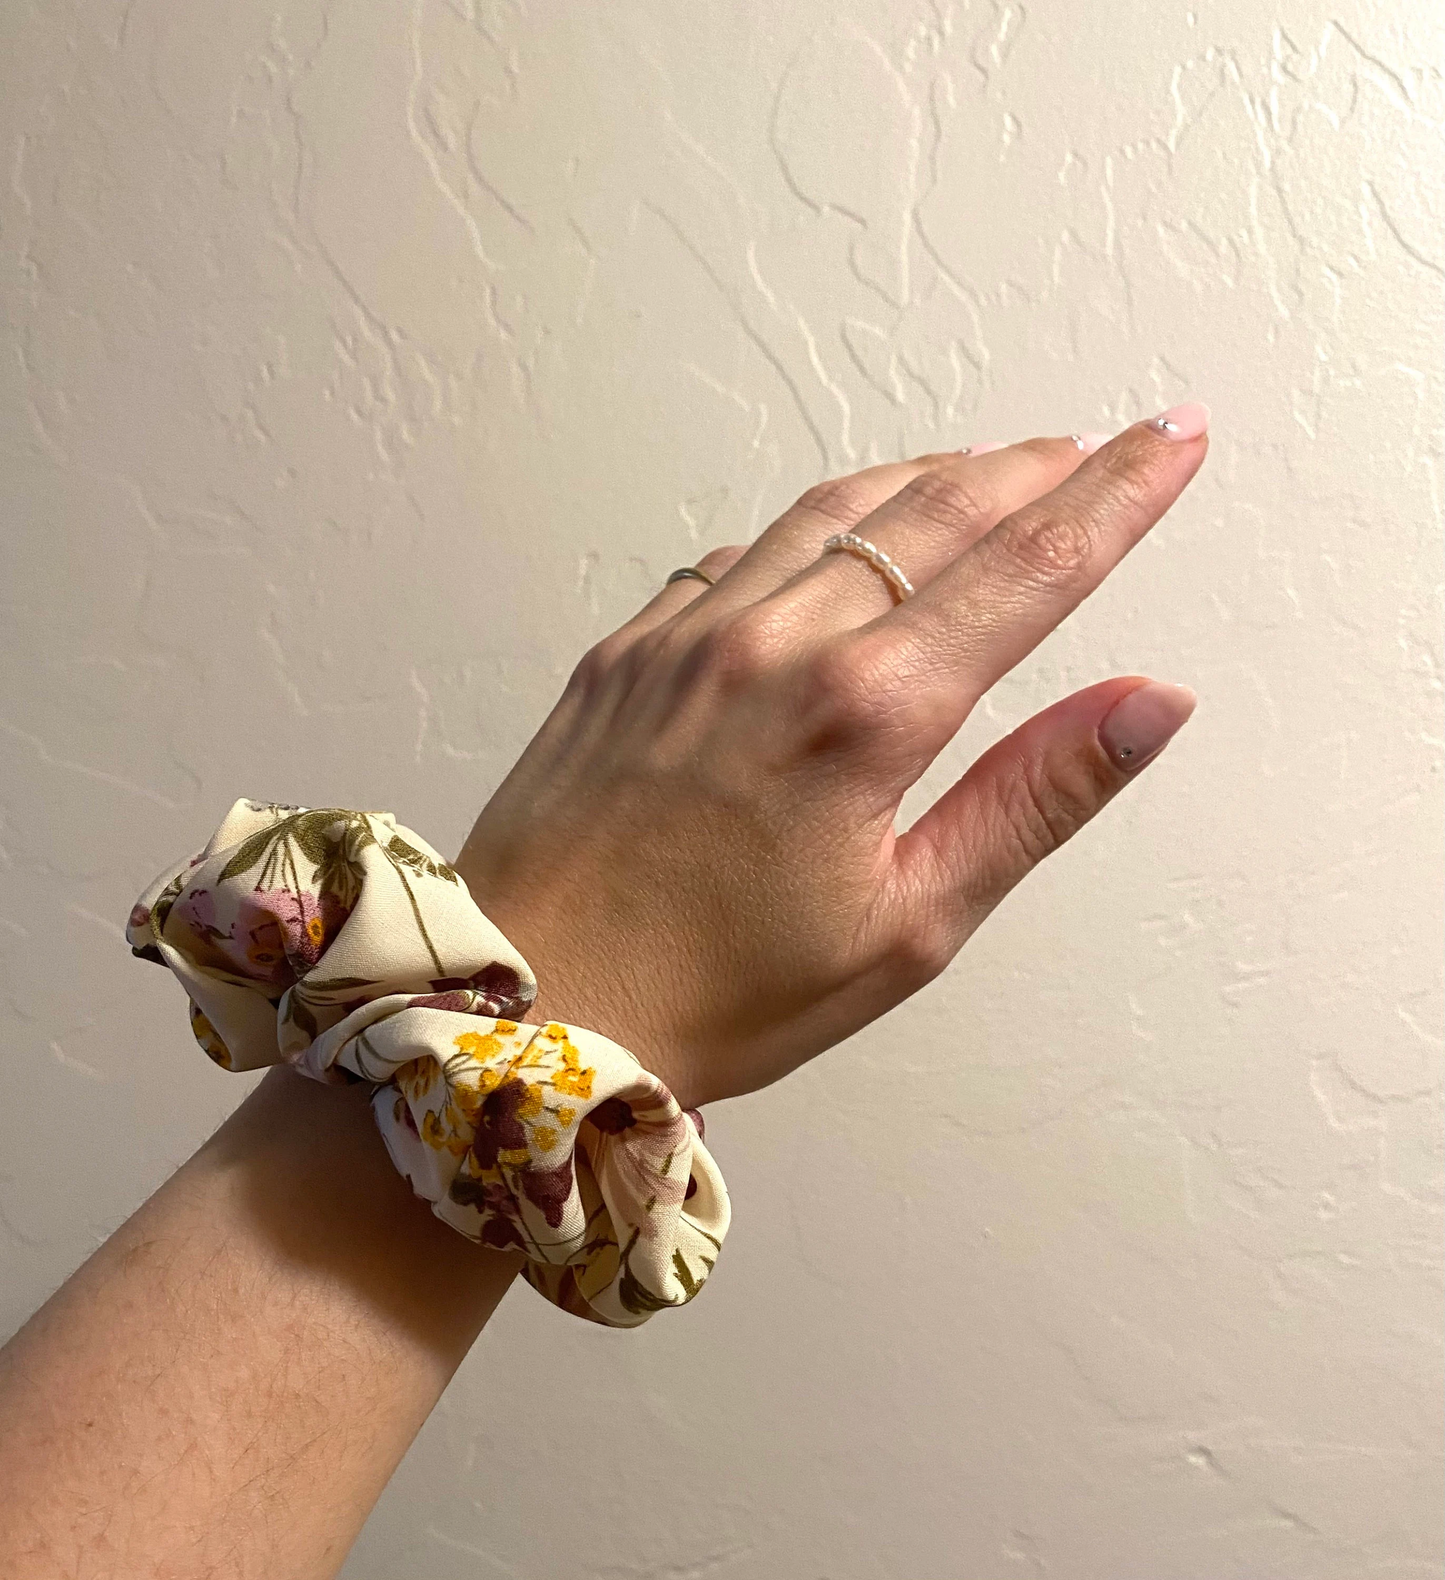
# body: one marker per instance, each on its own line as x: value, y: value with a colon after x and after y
x: 336, y: 984
x: 411, y: 857
x: 684, y: 1275
x: 634, y: 1296
x: 250, y: 853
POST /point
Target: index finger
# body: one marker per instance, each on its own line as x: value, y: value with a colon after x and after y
x: 999, y: 599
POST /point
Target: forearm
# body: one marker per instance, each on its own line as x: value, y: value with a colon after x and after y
x: 225, y: 1387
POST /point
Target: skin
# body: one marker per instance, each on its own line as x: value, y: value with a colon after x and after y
x: 697, y: 855
x: 715, y: 794
x: 228, y: 1383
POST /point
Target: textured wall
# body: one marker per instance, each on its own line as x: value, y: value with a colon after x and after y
x: 364, y: 361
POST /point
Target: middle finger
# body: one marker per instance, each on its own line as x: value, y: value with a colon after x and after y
x: 995, y: 603
x: 926, y: 525
x: 794, y: 539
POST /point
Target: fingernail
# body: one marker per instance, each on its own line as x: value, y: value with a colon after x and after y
x: 983, y: 449
x: 1182, y: 422
x: 1141, y: 725
x: 1089, y: 442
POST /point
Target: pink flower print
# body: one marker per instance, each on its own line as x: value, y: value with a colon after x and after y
x: 502, y: 987
x: 196, y: 911
x: 498, y: 1127
x: 549, y: 1189
x: 259, y: 934
x: 613, y: 1116
x: 205, y: 942
x: 501, y: 1233
x: 634, y: 1157
x: 499, y: 985
x: 273, y: 936
x: 334, y: 912
x: 283, y: 934
x: 498, y: 1209
x: 459, y: 1001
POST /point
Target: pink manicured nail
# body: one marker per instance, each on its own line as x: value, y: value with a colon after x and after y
x: 1140, y: 725
x: 1089, y: 442
x: 1182, y: 422
x: 983, y: 449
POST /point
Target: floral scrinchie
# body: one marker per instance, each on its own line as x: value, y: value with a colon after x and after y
x: 343, y: 944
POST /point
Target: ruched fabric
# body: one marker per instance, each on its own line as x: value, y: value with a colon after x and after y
x: 341, y: 943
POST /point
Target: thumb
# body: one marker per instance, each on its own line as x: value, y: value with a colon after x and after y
x: 1032, y: 791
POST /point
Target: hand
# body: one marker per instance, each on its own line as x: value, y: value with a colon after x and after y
x: 697, y: 851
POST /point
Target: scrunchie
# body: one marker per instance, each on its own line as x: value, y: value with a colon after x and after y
x: 340, y: 942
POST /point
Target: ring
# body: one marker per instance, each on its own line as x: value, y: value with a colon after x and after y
x: 689, y: 573
x: 888, y: 569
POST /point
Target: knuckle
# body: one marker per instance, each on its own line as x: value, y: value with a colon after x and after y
x: 1051, y: 545
x: 597, y: 665
x: 1133, y: 472
x: 1050, y: 450
x: 844, y: 501
x: 948, y: 497
x: 850, y: 681
x: 1050, y: 802
x: 919, y: 953
x: 722, y: 558
x: 739, y: 648
x: 649, y: 650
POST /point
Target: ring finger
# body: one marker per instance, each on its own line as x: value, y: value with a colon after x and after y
x: 786, y: 545
x: 794, y: 538
x: 926, y: 525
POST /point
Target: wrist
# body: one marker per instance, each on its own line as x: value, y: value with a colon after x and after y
x: 576, y: 992
x: 594, y: 1012
x: 468, y: 1112
x: 312, y: 1179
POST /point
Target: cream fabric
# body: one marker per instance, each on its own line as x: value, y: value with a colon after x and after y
x: 343, y: 944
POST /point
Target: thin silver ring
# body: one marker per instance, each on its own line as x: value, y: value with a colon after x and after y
x: 885, y: 565
x: 689, y: 573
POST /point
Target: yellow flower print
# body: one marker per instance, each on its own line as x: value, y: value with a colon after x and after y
x: 209, y: 1038
x: 544, y: 1138
x: 316, y: 930
x: 531, y: 1105
x: 414, y: 1078
x: 572, y: 1080
x: 432, y: 1133
x: 468, y: 1099
x: 505, y: 1028
x: 481, y: 1045
x: 565, y: 1116
x: 443, y: 1136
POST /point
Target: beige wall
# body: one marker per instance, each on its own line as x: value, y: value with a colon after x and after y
x: 365, y: 361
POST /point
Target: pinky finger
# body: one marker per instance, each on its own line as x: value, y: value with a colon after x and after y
x: 1029, y: 793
